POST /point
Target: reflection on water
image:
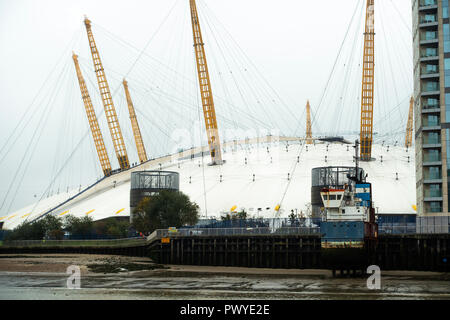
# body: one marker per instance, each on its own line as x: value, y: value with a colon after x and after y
x: 138, y: 286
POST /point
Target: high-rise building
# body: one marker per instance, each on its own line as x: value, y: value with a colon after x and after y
x: 431, y: 38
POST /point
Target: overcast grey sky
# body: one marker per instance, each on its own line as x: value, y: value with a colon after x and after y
x: 293, y: 43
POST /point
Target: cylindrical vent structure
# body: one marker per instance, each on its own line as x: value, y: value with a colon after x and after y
x: 147, y: 183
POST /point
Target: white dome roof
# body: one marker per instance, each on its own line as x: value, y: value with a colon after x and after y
x: 268, y: 161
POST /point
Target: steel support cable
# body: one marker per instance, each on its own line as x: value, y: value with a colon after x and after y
x: 401, y: 62
x: 40, y: 127
x: 401, y: 17
x: 259, y: 94
x: 200, y: 127
x: 189, y: 80
x: 51, y: 105
x: 405, y: 63
x: 63, y: 130
x: 226, y: 62
x: 59, y: 172
x: 41, y: 124
x: 381, y: 94
x: 407, y: 46
x: 313, y: 119
x: 230, y: 69
x: 28, y: 109
x: 227, y: 95
x: 341, y: 55
x: 169, y: 96
x: 407, y: 97
x: 125, y: 43
x: 254, y: 66
x: 390, y: 64
x: 219, y: 98
x: 355, y: 115
x: 151, y: 38
x: 349, y: 67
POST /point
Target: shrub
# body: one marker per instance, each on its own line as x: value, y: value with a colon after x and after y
x: 163, y: 210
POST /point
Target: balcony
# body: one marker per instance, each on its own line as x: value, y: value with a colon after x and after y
x: 429, y: 54
x: 431, y: 104
x: 432, y: 175
x: 429, y: 69
x: 427, y: 4
x: 428, y: 36
x: 430, y: 86
x: 432, y: 156
x: 431, y: 138
x: 431, y: 121
x: 428, y: 18
x: 433, y: 192
x: 433, y: 206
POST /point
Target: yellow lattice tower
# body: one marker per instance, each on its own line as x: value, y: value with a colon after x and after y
x: 134, y: 124
x: 409, y: 126
x: 110, y: 111
x: 308, y: 124
x: 366, y: 135
x: 93, y: 123
x: 205, y: 89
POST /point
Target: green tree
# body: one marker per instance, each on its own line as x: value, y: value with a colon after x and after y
x: 113, y: 227
x: 78, y: 226
x: 165, y: 209
x: 292, y: 217
x: 226, y: 217
x: 242, y: 215
x: 48, y: 227
x: 53, y: 227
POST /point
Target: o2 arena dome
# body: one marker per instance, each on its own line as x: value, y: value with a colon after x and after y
x: 258, y: 176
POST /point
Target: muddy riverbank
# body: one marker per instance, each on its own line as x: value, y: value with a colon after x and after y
x: 116, y: 277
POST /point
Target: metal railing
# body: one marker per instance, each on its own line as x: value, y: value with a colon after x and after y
x: 164, y: 233
x: 75, y: 243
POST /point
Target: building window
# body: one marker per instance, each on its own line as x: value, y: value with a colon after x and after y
x: 425, y: 3
x: 430, y: 120
x: 428, y: 18
x: 431, y: 138
x: 432, y: 173
x: 432, y: 155
x: 435, y: 206
x: 430, y: 103
x: 447, y: 63
x: 445, y: 9
x: 428, y: 86
x: 429, y: 68
x: 433, y: 191
x: 428, y: 35
x: 429, y: 52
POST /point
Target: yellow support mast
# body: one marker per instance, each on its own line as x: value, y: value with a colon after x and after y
x: 205, y: 89
x: 93, y: 123
x: 409, y: 126
x: 110, y: 111
x: 134, y: 124
x: 308, y: 124
x: 366, y: 135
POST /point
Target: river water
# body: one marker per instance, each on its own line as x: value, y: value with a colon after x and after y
x: 33, y: 285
